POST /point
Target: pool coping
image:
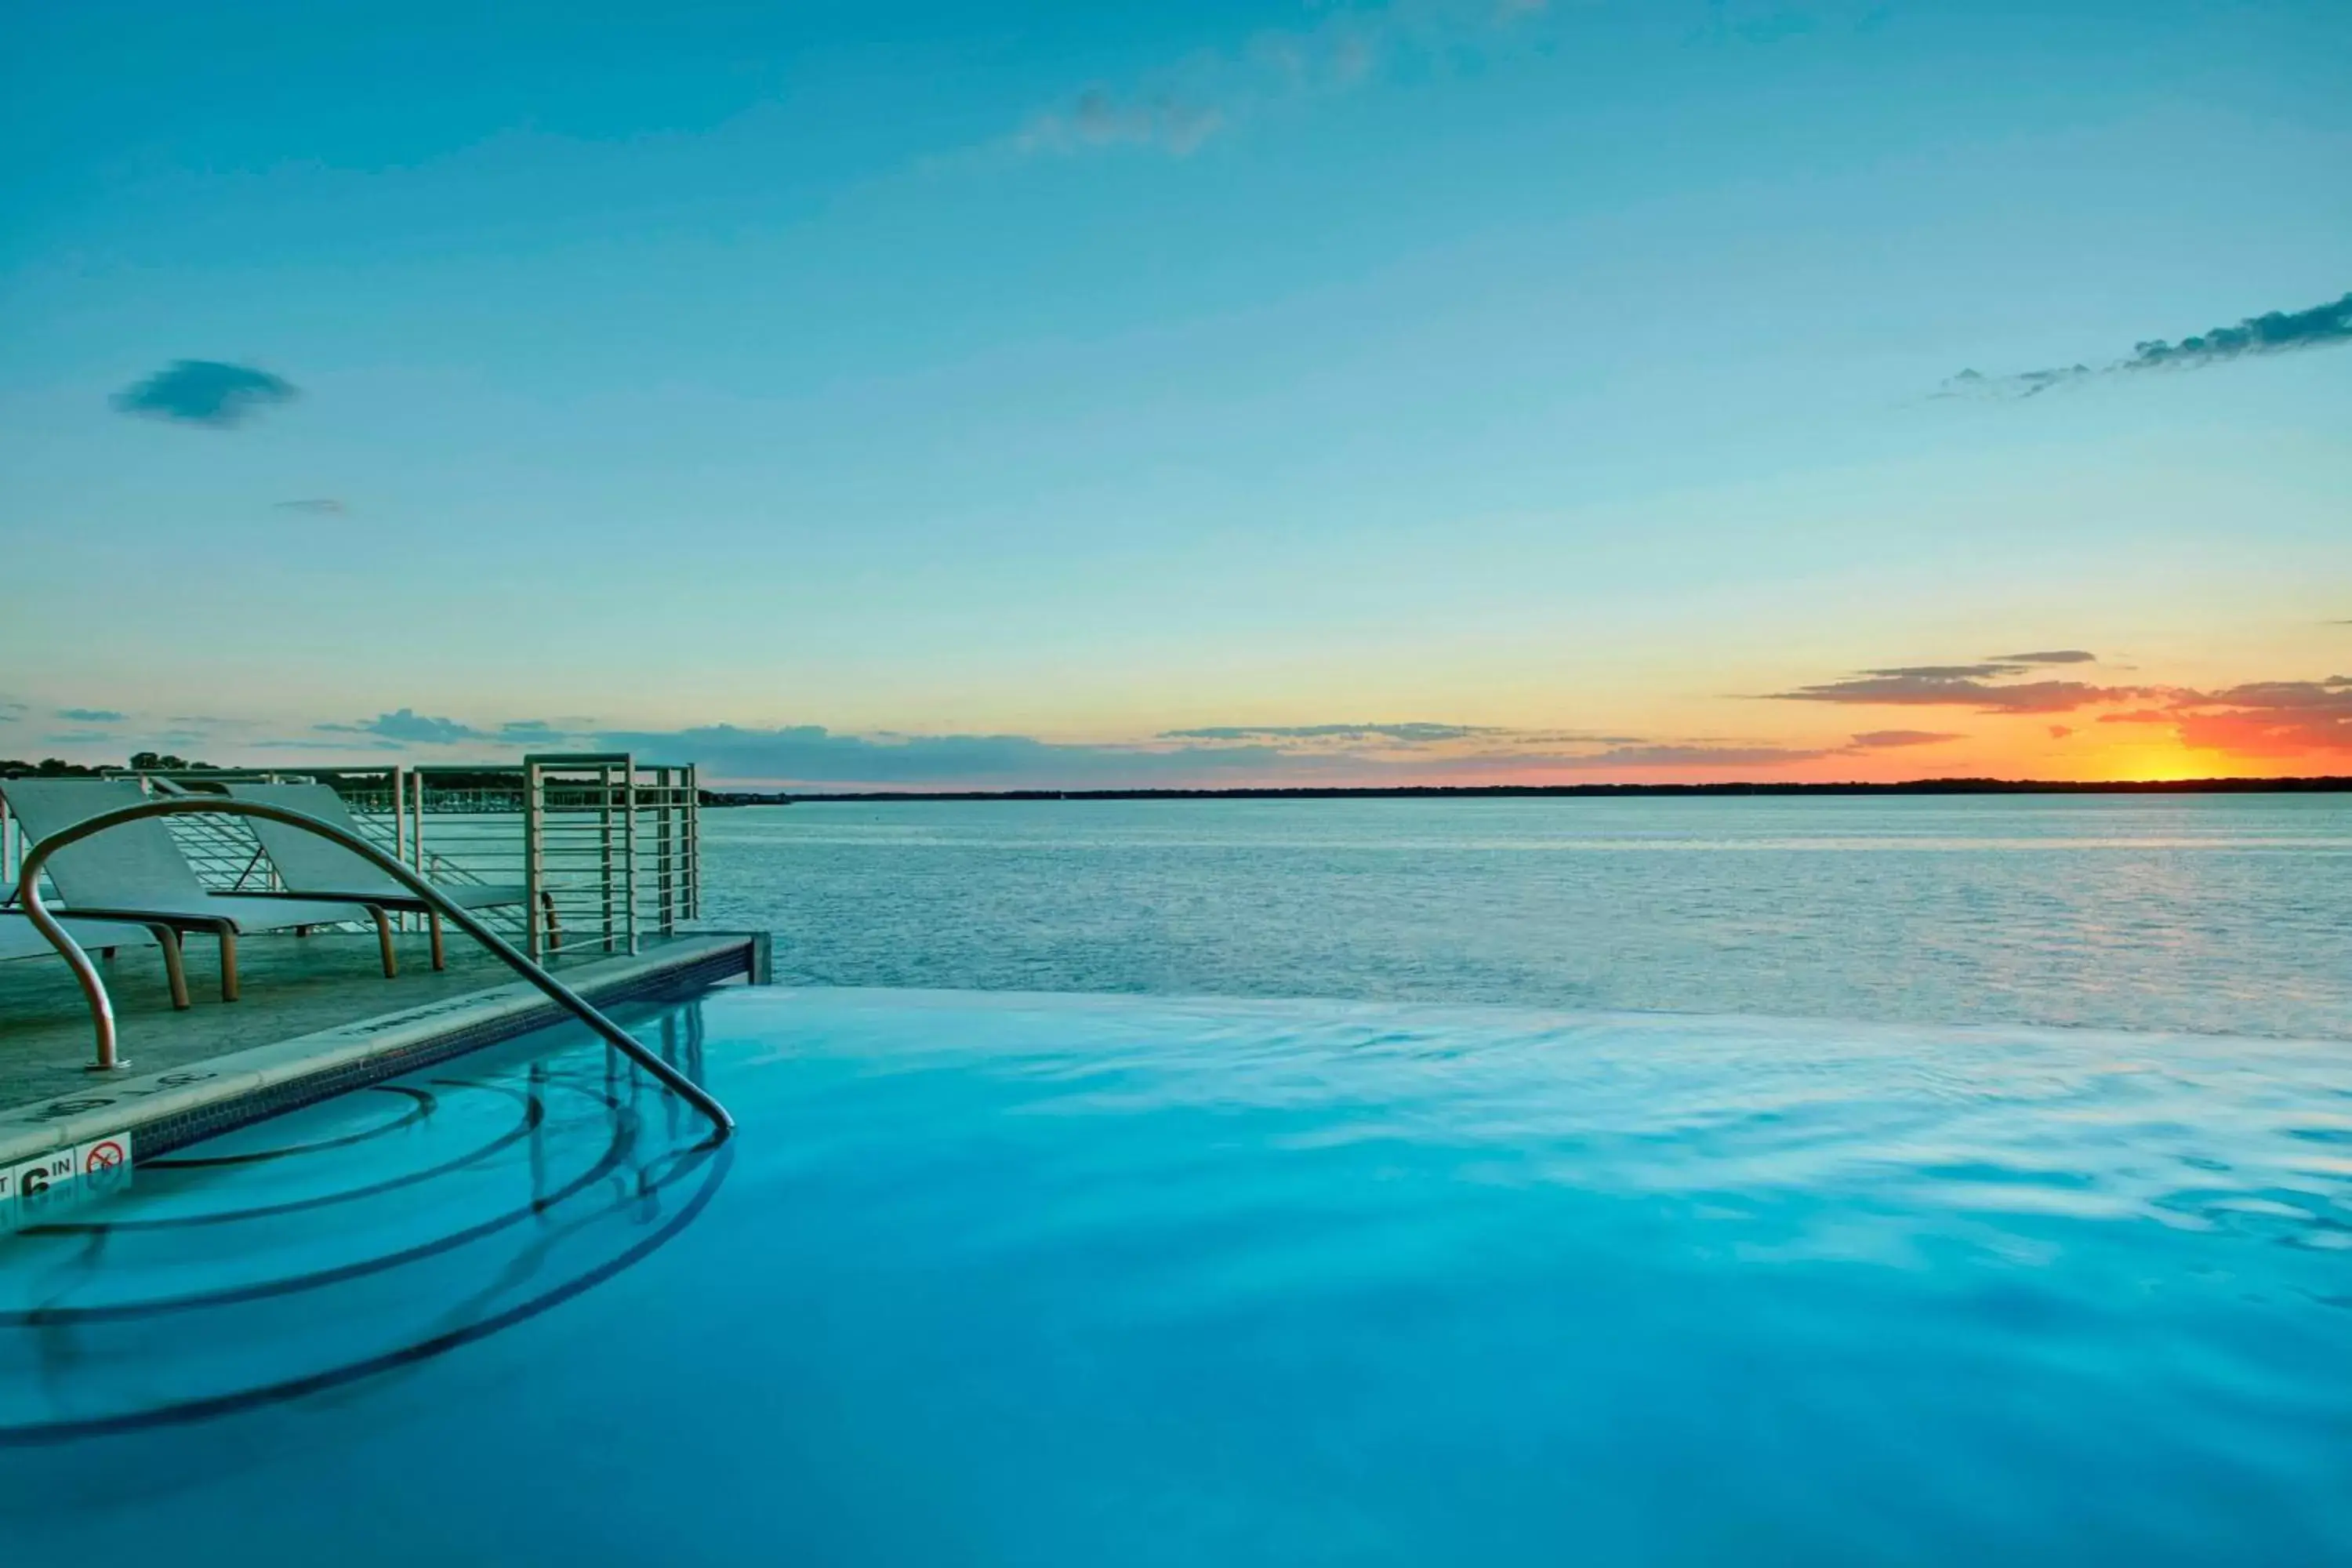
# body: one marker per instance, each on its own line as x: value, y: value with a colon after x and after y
x: 166, y: 1111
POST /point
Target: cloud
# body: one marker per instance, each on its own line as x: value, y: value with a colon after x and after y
x: 206, y: 391
x: 1883, y: 740
x: 1999, y: 664
x: 2059, y: 656
x: 1966, y: 686
x: 92, y: 715
x: 1958, y: 686
x: 2259, y: 718
x: 81, y: 738
x: 2268, y: 719
x: 2273, y: 332
x: 2276, y: 331
x: 1099, y: 119
x: 316, y: 506
x: 1176, y: 110
x: 408, y: 726
x: 2059, y: 732
x: 1918, y: 692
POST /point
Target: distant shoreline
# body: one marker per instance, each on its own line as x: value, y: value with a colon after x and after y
x: 2327, y: 784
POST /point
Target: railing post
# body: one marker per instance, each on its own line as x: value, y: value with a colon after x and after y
x: 605, y: 845
x: 533, y: 864
x: 629, y: 848
x: 693, y: 842
x: 666, y: 826
x: 417, y: 835
x: 400, y: 827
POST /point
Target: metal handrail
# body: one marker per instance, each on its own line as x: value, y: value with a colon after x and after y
x: 101, y: 1006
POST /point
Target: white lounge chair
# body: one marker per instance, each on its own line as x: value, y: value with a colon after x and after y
x: 20, y: 938
x: 134, y: 872
x: 315, y: 868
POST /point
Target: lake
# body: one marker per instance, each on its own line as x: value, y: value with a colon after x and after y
x: 2228, y: 914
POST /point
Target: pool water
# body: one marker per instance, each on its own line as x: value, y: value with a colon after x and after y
x: 1063, y: 1280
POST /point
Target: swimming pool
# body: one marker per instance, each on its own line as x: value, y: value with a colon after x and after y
x: 1030, y: 1279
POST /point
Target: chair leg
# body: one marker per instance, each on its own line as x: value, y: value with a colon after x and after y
x: 228, y: 964
x: 440, y: 959
x: 175, y: 974
x: 384, y: 943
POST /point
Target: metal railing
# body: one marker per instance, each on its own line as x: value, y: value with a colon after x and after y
x: 605, y: 848
x: 608, y: 840
x: 101, y: 1006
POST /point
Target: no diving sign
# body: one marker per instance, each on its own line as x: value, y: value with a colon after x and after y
x: 33, y: 1190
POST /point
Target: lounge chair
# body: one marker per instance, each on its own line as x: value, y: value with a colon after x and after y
x: 315, y: 868
x: 135, y: 872
x: 20, y: 938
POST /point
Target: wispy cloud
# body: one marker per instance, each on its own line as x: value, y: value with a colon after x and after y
x: 409, y: 727
x: 206, y: 391
x: 1175, y: 110
x: 2259, y: 719
x: 1888, y: 740
x: 92, y: 715
x: 2058, y: 656
x: 1980, y: 686
x: 1099, y: 118
x: 316, y: 506
x: 2276, y: 331
x: 1944, y: 692
x: 405, y: 726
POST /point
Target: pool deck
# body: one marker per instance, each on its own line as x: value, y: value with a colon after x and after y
x: 318, y: 1018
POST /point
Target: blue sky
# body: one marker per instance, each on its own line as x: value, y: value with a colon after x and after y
x: 919, y: 394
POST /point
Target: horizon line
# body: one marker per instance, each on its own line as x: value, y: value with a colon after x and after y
x: 2316, y: 783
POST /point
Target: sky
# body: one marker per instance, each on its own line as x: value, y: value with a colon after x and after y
x: 1239, y: 392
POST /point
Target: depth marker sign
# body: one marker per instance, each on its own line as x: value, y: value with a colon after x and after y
x: 33, y: 1190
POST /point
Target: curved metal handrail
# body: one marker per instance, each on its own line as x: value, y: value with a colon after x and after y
x: 101, y: 1006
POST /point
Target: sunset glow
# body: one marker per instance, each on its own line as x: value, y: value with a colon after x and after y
x: 1248, y: 394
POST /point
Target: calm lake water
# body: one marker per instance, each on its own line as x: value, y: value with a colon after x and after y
x: 2223, y: 914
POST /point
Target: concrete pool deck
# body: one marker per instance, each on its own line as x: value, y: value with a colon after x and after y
x: 318, y: 1018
